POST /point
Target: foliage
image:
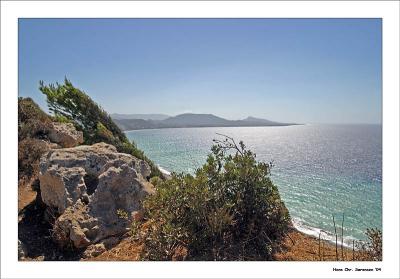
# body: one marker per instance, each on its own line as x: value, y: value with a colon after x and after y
x: 103, y: 133
x: 230, y: 210
x: 66, y: 101
x: 33, y: 127
x: 61, y: 119
x: 155, y: 181
x: 29, y: 152
x: 122, y: 214
x: 375, y: 243
x: 32, y: 121
x: 371, y: 250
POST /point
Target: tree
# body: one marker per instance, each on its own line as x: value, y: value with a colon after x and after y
x: 72, y: 103
x: 66, y: 101
x: 230, y: 210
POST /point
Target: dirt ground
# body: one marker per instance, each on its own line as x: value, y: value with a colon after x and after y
x: 25, y: 195
x: 35, y: 232
x: 298, y: 246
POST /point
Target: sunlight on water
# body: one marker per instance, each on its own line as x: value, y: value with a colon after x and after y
x: 320, y: 170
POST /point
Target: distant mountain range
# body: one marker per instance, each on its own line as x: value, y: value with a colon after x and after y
x: 155, y: 116
x: 186, y: 120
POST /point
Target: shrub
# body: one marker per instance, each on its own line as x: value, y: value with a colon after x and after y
x: 374, y: 244
x: 33, y: 126
x: 67, y: 102
x: 29, y: 153
x: 61, y: 119
x: 103, y: 134
x: 28, y: 110
x: 32, y: 121
x: 371, y: 250
x: 155, y: 181
x: 230, y: 210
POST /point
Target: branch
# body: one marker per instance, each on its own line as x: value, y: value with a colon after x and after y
x: 225, y: 144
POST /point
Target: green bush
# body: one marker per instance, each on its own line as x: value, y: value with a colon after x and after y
x: 230, y: 210
x: 61, y: 119
x: 68, y: 102
x: 156, y: 181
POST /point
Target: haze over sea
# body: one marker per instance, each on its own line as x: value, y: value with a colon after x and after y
x: 320, y: 170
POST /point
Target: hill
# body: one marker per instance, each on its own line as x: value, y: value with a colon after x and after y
x: 188, y: 120
x: 155, y: 116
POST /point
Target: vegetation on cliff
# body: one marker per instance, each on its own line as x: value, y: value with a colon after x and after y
x: 71, y: 104
x: 33, y: 128
x: 230, y: 210
x: 370, y: 250
x: 32, y: 121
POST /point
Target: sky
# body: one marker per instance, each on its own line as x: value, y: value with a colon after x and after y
x: 289, y: 70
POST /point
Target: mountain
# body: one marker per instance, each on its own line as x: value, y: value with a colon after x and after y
x: 155, y: 116
x: 195, y: 120
x: 266, y: 122
x: 135, y: 124
x: 187, y: 120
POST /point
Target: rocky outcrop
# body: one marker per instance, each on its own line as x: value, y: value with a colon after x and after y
x: 95, y: 190
x: 65, y: 134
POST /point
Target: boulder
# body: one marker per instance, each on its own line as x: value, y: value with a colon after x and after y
x: 94, y: 189
x: 65, y: 134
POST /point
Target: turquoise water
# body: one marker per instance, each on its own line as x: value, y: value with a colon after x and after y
x: 320, y: 170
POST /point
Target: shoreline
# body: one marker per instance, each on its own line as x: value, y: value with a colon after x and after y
x: 298, y: 246
x: 325, y: 235
x: 300, y: 227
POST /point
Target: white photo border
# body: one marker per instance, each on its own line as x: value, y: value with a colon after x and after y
x: 11, y: 11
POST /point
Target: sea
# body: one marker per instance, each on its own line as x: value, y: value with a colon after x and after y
x: 321, y: 171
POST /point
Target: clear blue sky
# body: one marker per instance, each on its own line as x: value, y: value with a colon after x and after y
x: 297, y: 70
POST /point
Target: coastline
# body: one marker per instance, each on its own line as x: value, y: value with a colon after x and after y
x: 300, y: 227
x: 325, y: 235
x: 298, y: 246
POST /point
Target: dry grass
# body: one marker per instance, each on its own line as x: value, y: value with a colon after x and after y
x: 298, y: 246
x: 126, y: 250
x: 295, y: 247
x: 25, y: 194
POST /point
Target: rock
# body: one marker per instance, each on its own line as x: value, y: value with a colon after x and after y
x: 65, y: 134
x: 61, y: 187
x: 94, y: 250
x: 94, y: 190
x: 22, y: 251
x: 144, y: 169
